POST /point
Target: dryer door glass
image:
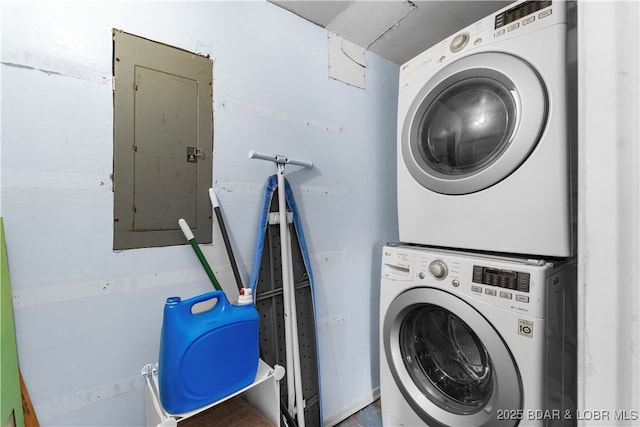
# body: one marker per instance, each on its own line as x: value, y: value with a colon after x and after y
x: 446, y: 359
x: 473, y: 123
x: 467, y: 126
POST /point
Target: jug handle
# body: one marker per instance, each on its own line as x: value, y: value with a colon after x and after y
x: 219, y: 295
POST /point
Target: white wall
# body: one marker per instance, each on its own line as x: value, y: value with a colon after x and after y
x: 609, y: 214
x: 88, y: 318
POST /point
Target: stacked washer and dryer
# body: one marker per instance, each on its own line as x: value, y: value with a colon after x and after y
x: 478, y: 301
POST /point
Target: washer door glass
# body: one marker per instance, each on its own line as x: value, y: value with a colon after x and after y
x: 473, y: 123
x: 467, y: 126
x: 446, y: 359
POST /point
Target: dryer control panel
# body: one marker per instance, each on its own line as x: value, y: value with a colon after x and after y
x: 520, y: 11
x: 511, y: 22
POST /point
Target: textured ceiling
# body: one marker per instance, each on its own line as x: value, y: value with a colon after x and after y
x: 395, y: 29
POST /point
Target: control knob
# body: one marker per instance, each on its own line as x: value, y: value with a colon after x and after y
x: 459, y: 42
x: 438, y: 269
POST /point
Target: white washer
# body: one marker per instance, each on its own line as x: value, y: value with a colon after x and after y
x: 485, y: 124
x: 476, y: 340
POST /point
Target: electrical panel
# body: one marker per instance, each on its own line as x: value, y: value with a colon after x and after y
x: 163, y: 143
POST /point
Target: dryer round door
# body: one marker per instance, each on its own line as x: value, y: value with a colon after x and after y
x: 474, y: 123
x: 448, y: 361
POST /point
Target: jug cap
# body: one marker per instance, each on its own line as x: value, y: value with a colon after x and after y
x: 246, y: 296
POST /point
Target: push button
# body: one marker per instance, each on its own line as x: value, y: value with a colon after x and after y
x: 506, y: 295
x: 544, y: 14
x: 522, y: 298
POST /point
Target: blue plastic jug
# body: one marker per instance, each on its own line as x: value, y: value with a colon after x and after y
x: 208, y: 355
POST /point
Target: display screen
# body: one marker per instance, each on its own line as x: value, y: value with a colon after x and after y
x: 520, y: 11
x: 507, y: 279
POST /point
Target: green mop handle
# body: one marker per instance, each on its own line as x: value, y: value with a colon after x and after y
x: 186, y: 230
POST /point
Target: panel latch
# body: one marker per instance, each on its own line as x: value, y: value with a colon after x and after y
x: 193, y: 153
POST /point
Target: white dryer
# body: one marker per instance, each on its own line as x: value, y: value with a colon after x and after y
x: 476, y: 340
x: 485, y: 136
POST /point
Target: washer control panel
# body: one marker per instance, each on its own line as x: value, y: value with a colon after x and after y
x: 513, y: 284
x: 507, y: 279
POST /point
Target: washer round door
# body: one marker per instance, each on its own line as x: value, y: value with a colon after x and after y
x: 450, y: 364
x: 474, y: 123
